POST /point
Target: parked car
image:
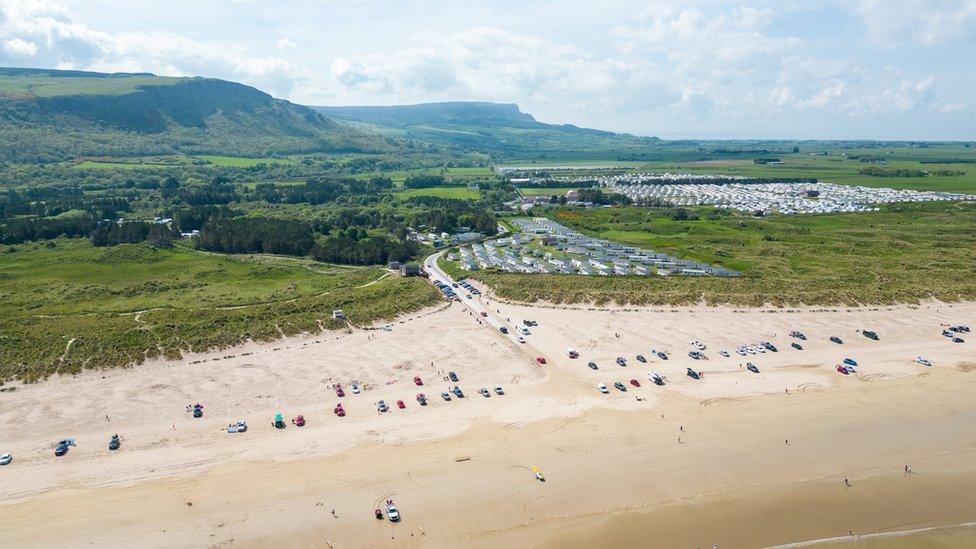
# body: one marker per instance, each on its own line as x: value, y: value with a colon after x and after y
x: 796, y: 346
x: 958, y: 340
x: 656, y: 378
x: 114, y: 443
x: 484, y: 314
x: 6, y: 459
x: 592, y: 365
x: 693, y: 374
x: 662, y: 355
x: 498, y: 390
x: 635, y: 383
x: 392, y: 512
x: 571, y: 353
x: 922, y: 361
x: 870, y: 335
x: 850, y: 362
x: 620, y: 386
x: 724, y: 353
x: 603, y: 388
x: 484, y: 392
x: 339, y: 410
x: 697, y: 355
x: 504, y: 330
x: 452, y: 376
x: 381, y: 406
x: 752, y: 367
x: 520, y: 339
x: 339, y: 392
x: 641, y: 358
x: 63, y: 446
x: 457, y: 392
x: 846, y: 370
x: 401, y: 405
x: 298, y: 421
x: 540, y: 360
x: 621, y: 361
x: 422, y: 399
x: 836, y: 340
x: 798, y: 335
x: 770, y: 346
x: 446, y: 396
x: 355, y: 389
x: 417, y: 381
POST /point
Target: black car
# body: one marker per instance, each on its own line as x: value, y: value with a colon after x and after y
x: 640, y: 358
x: 662, y: 355
x: 958, y: 340
x: 796, y: 346
x: 452, y: 376
x: 770, y: 347
x: 693, y: 374
x: 620, y: 386
x: 592, y: 366
x: 752, y: 367
x: 870, y: 335
x: 114, y: 443
x: 798, y: 335
x: 836, y: 340
x: 503, y: 330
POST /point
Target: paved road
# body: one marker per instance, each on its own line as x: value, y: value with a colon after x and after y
x: 476, y: 304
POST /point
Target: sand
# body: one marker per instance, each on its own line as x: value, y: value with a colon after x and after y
x: 461, y: 471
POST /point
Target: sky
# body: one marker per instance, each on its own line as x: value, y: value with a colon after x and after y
x: 814, y: 69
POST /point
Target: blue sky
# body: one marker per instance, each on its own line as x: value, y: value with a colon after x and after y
x: 880, y: 69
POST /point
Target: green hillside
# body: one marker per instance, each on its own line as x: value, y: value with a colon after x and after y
x: 49, y: 115
x: 501, y: 129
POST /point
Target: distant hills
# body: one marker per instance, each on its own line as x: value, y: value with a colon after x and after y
x: 498, y: 128
x: 51, y: 115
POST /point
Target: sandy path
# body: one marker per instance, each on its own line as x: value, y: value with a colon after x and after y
x: 615, y: 468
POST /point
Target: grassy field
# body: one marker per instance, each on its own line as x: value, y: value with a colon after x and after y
x: 239, y: 162
x: 901, y: 254
x: 70, y: 306
x: 539, y: 191
x: 838, y: 168
x: 460, y: 193
x: 48, y: 86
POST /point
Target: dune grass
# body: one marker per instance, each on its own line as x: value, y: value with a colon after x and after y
x: 902, y: 254
x: 121, y: 305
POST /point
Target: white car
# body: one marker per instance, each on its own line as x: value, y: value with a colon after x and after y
x: 603, y: 389
x: 6, y: 459
x: 499, y: 390
x: 355, y: 388
x: 520, y: 339
x: 922, y: 361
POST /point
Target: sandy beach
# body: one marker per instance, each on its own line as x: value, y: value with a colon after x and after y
x: 735, y: 459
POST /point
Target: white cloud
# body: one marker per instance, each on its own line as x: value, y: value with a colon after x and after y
x: 953, y: 108
x: 286, y: 44
x: 18, y: 47
x: 60, y: 41
x: 925, y: 22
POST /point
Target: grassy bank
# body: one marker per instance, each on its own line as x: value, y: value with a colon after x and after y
x: 70, y: 306
x: 901, y: 254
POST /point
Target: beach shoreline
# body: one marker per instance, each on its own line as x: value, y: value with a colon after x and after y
x: 671, y: 462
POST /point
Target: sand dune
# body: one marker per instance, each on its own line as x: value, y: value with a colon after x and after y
x: 616, y: 471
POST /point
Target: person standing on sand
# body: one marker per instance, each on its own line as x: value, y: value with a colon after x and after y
x: 847, y: 483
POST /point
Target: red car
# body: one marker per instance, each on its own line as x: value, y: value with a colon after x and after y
x: 635, y: 383
x: 339, y: 411
x: 540, y: 360
x: 484, y: 314
x: 417, y: 381
x: 844, y: 370
x: 339, y: 392
x: 401, y: 405
x: 299, y: 421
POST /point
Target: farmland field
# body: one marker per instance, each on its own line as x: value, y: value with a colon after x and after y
x: 900, y: 254
x: 68, y: 305
x: 241, y: 162
x: 461, y: 193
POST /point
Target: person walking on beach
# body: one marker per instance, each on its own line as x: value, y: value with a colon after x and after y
x: 847, y: 483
